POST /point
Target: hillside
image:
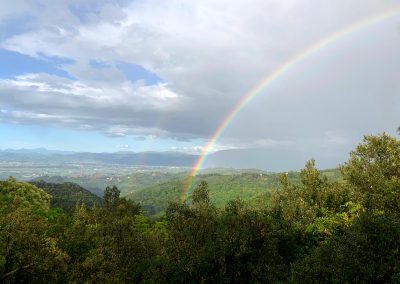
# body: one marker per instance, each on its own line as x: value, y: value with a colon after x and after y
x: 128, y: 183
x: 67, y: 195
x: 252, y: 187
x: 141, y: 180
x: 154, y: 189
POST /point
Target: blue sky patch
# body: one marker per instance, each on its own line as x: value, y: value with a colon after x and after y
x: 14, y: 64
x: 99, y: 64
x: 135, y: 72
x: 15, y: 25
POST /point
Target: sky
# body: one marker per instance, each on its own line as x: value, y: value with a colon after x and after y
x: 155, y: 75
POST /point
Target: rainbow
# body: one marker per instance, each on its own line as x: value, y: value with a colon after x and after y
x: 269, y: 79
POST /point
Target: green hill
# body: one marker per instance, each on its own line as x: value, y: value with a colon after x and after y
x: 126, y: 183
x: 249, y: 187
x: 67, y: 195
x: 140, y: 180
x: 252, y: 187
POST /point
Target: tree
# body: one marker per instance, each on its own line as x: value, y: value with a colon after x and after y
x: 111, y: 244
x: 192, y: 231
x: 27, y: 252
x: 200, y: 194
x: 111, y: 197
x: 366, y: 249
x: 374, y: 171
x: 14, y: 195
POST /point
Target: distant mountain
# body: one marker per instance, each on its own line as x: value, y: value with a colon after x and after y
x: 268, y: 159
x: 173, y: 159
x: 68, y: 195
x: 176, y: 159
x: 43, y: 151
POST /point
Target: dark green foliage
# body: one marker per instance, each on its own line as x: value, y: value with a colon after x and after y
x: 156, y: 199
x: 201, y: 194
x: 68, y: 195
x: 316, y: 228
x: 28, y: 253
x: 366, y: 252
x: 113, y: 244
x: 233, y: 245
x: 374, y: 170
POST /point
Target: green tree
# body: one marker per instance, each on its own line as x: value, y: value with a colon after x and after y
x: 366, y: 250
x: 374, y: 171
x: 247, y: 247
x: 201, y: 194
x: 192, y: 232
x: 14, y: 195
x: 113, y: 244
x: 27, y: 251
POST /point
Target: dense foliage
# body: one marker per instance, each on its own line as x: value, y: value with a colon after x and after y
x: 316, y: 230
x: 67, y: 195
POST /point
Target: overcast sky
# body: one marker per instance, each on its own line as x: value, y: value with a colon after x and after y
x: 93, y: 75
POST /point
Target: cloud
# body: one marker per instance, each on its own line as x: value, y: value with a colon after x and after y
x: 198, y: 149
x: 209, y: 54
x: 123, y: 146
x: 105, y: 106
x: 333, y: 138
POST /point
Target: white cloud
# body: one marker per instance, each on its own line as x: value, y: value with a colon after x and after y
x: 114, y: 109
x: 123, y: 146
x: 198, y: 149
x: 331, y: 137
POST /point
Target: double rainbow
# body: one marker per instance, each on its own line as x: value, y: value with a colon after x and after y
x: 269, y: 79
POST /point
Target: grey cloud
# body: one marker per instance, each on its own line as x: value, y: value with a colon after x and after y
x: 114, y: 109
